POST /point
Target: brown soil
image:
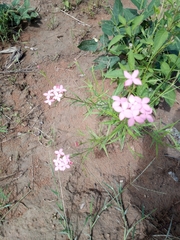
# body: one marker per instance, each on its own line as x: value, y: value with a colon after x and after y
x: 36, y: 130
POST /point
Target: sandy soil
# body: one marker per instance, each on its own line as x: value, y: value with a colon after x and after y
x: 36, y: 130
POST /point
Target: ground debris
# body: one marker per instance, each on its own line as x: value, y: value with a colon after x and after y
x: 173, y: 175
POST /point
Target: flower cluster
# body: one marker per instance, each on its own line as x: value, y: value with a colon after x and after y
x: 133, y: 108
x: 62, y: 161
x: 54, y: 94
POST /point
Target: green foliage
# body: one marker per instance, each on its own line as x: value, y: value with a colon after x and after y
x: 147, y: 39
x: 3, y: 197
x: 67, y: 4
x: 111, y: 129
x: 3, y: 129
x: 11, y: 15
x: 3, y: 202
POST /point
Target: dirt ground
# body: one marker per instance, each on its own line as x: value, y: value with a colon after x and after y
x: 36, y: 130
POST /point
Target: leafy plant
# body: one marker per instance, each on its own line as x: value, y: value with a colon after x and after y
x: 111, y: 129
x: 11, y: 15
x: 147, y: 39
x: 3, y: 129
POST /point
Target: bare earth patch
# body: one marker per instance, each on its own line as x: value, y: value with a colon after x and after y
x: 36, y: 130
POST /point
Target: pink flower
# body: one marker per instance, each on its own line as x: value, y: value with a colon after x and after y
x: 135, y: 118
x: 59, y: 153
x: 57, y: 97
x: 49, y: 94
x: 62, y: 164
x: 135, y: 102
x: 58, y: 89
x: 147, y: 115
x: 132, y: 78
x: 133, y: 108
x: 125, y: 112
x: 49, y: 101
x: 118, y: 102
x: 144, y: 105
x: 62, y: 161
x: 54, y: 94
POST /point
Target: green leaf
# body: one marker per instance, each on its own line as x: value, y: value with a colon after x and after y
x: 159, y: 40
x: 3, y: 129
x: 26, y: 16
x: 175, y: 46
x: 137, y: 21
x: 115, y: 40
x: 152, y: 81
x: 34, y: 15
x: 16, y: 19
x: 124, y: 67
x: 170, y: 96
x: 150, y: 10
x: 140, y: 4
x: 26, y: 4
x: 119, y: 88
x: 174, y: 59
x: 118, y: 73
x: 117, y: 49
x: 130, y: 14
x: 15, y: 2
x: 105, y: 62
x: 107, y: 27
x: 131, y: 60
x: 148, y: 41
x: 138, y: 56
x: 142, y: 90
x: 88, y: 45
x: 104, y: 40
x: 165, y: 69
x: 128, y: 31
x: 117, y: 10
x: 122, y: 20
x: 55, y: 192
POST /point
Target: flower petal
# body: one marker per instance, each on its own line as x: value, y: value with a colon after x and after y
x: 147, y: 108
x: 131, y: 99
x: 131, y: 122
x: 123, y: 99
x: 128, y: 113
x: 121, y: 116
x: 117, y: 109
x: 116, y: 98
x: 137, y: 81
x: 138, y: 99
x: 128, y: 82
x: 135, y: 73
x: 135, y: 112
x: 145, y: 100
x: 127, y: 75
x: 139, y: 119
x: 125, y: 105
x: 149, y: 118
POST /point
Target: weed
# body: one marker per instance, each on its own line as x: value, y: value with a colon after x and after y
x: 67, y: 228
x: 131, y: 40
x: 148, y: 40
x: 114, y: 200
x: 10, y: 206
x: 52, y: 23
x: 129, y: 231
x: 3, y: 199
x: 12, y: 15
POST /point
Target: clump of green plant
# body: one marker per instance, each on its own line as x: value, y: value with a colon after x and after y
x: 4, y: 198
x: 11, y: 16
x: 147, y: 39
